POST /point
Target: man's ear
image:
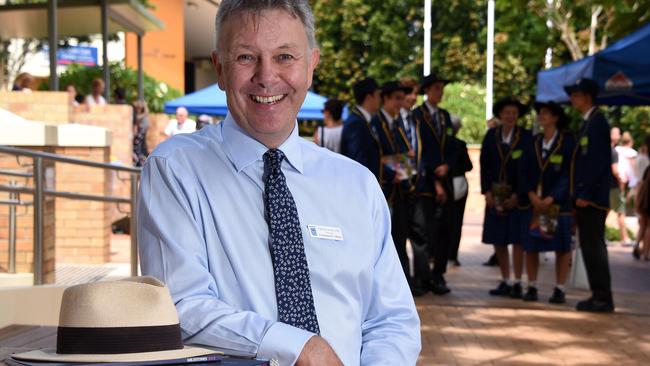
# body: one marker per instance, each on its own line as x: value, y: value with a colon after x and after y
x: 314, y: 60
x: 218, y: 68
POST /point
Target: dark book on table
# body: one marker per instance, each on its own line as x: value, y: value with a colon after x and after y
x: 208, y: 360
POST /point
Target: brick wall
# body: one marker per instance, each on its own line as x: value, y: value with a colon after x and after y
x: 25, y: 223
x: 49, y: 107
x: 83, y: 227
x: 157, y: 124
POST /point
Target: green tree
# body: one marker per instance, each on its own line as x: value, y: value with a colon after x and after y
x: 156, y: 93
x: 467, y: 101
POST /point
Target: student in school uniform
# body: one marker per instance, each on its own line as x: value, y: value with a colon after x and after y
x: 433, y: 192
x: 592, y: 163
x: 503, y: 155
x: 396, y: 172
x: 547, y: 226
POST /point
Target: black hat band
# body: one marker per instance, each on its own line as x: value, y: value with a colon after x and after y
x: 72, y: 340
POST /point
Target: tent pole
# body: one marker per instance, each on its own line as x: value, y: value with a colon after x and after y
x: 105, y: 65
x: 140, y: 75
x: 53, y: 43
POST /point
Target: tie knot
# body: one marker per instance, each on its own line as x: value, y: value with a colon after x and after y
x: 273, y: 158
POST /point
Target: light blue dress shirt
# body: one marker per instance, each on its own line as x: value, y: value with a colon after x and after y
x: 202, y: 231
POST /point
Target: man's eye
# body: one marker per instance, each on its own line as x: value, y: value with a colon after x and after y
x: 245, y: 58
x: 286, y: 57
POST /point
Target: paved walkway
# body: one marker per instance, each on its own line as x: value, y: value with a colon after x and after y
x: 470, y: 327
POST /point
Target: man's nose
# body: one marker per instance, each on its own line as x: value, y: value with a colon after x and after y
x: 265, y: 73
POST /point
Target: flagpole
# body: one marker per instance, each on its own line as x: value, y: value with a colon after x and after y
x: 490, y: 62
x: 427, y: 37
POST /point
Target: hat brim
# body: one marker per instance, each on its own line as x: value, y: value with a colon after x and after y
x: 424, y: 86
x: 571, y: 89
x: 498, y: 107
x: 50, y: 355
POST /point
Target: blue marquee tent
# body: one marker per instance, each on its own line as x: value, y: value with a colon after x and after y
x: 212, y: 101
x: 622, y: 70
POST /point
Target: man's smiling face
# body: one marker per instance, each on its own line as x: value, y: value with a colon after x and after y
x: 265, y: 65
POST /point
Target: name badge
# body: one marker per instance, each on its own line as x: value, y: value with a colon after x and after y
x: 556, y: 159
x: 516, y: 154
x: 450, y: 131
x: 584, y: 141
x: 325, y: 232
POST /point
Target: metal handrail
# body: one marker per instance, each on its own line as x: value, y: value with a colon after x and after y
x: 39, y: 193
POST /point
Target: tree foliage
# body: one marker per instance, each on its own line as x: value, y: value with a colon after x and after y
x: 156, y: 93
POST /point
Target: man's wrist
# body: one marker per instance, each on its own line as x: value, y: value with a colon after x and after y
x: 284, y: 343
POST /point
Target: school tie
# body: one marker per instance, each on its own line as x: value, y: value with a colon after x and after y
x: 436, y: 120
x: 290, y: 268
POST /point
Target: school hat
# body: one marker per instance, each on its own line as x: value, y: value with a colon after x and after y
x: 587, y: 86
x: 557, y: 110
x: 430, y: 80
x: 504, y: 102
x: 131, y: 320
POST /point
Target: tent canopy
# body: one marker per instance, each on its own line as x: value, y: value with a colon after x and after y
x: 212, y: 100
x: 622, y: 71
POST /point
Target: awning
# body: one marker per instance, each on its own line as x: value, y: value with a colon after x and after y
x: 76, y: 18
x: 622, y: 71
x: 212, y: 100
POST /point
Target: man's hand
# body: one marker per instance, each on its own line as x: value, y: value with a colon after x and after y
x: 318, y: 352
x: 441, y: 171
x: 546, y: 203
x: 489, y: 200
x: 441, y: 194
x: 411, y: 154
x: 582, y: 203
x: 511, y: 202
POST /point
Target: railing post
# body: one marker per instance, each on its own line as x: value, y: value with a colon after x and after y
x: 38, y: 220
x: 133, y: 225
x: 12, y: 230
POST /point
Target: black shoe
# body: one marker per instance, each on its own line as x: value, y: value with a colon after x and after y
x: 593, y: 305
x: 531, y: 294
x: 455, y: 262
x: 418, y: 291
x: 558, y: 297
x: 517, y: 291
x: 439, y: 286
x: 492, y: 261
x: 502, y: 290
x: 636, y: 253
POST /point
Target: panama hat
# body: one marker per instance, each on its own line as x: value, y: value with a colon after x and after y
x: 132, y: 320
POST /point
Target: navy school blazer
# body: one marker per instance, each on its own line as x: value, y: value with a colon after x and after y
x: 359, y: 143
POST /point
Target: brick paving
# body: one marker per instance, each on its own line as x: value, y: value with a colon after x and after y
x: 469, y: 327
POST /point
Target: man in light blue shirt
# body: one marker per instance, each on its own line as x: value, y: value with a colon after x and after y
x: 205, y: 227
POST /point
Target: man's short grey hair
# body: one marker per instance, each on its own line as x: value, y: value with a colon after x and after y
x: 297, y: 8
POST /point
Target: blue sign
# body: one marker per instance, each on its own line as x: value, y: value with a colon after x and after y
x: 86, y: 56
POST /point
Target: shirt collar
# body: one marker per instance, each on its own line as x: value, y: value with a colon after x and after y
x: 243, y: 150
x: 431, y: 108
x: 389, y: 118
x: 404, y: 113
x: 549, y: 144
x: 589, y: 113
x: 365, y: 113
x: 507, y: 139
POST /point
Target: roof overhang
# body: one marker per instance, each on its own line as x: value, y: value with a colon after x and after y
x: 76, y: 18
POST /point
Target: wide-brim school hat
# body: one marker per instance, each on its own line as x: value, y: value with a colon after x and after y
x: 509, y: 101
x: 132, y: 320
x: 430, y: 80
x: 557, y: 110
x: 587, y: 86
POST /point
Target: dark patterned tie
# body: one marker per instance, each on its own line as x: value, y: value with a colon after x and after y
x: 292, y: 284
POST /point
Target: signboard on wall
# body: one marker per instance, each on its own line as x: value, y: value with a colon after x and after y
x: 80, y: 55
